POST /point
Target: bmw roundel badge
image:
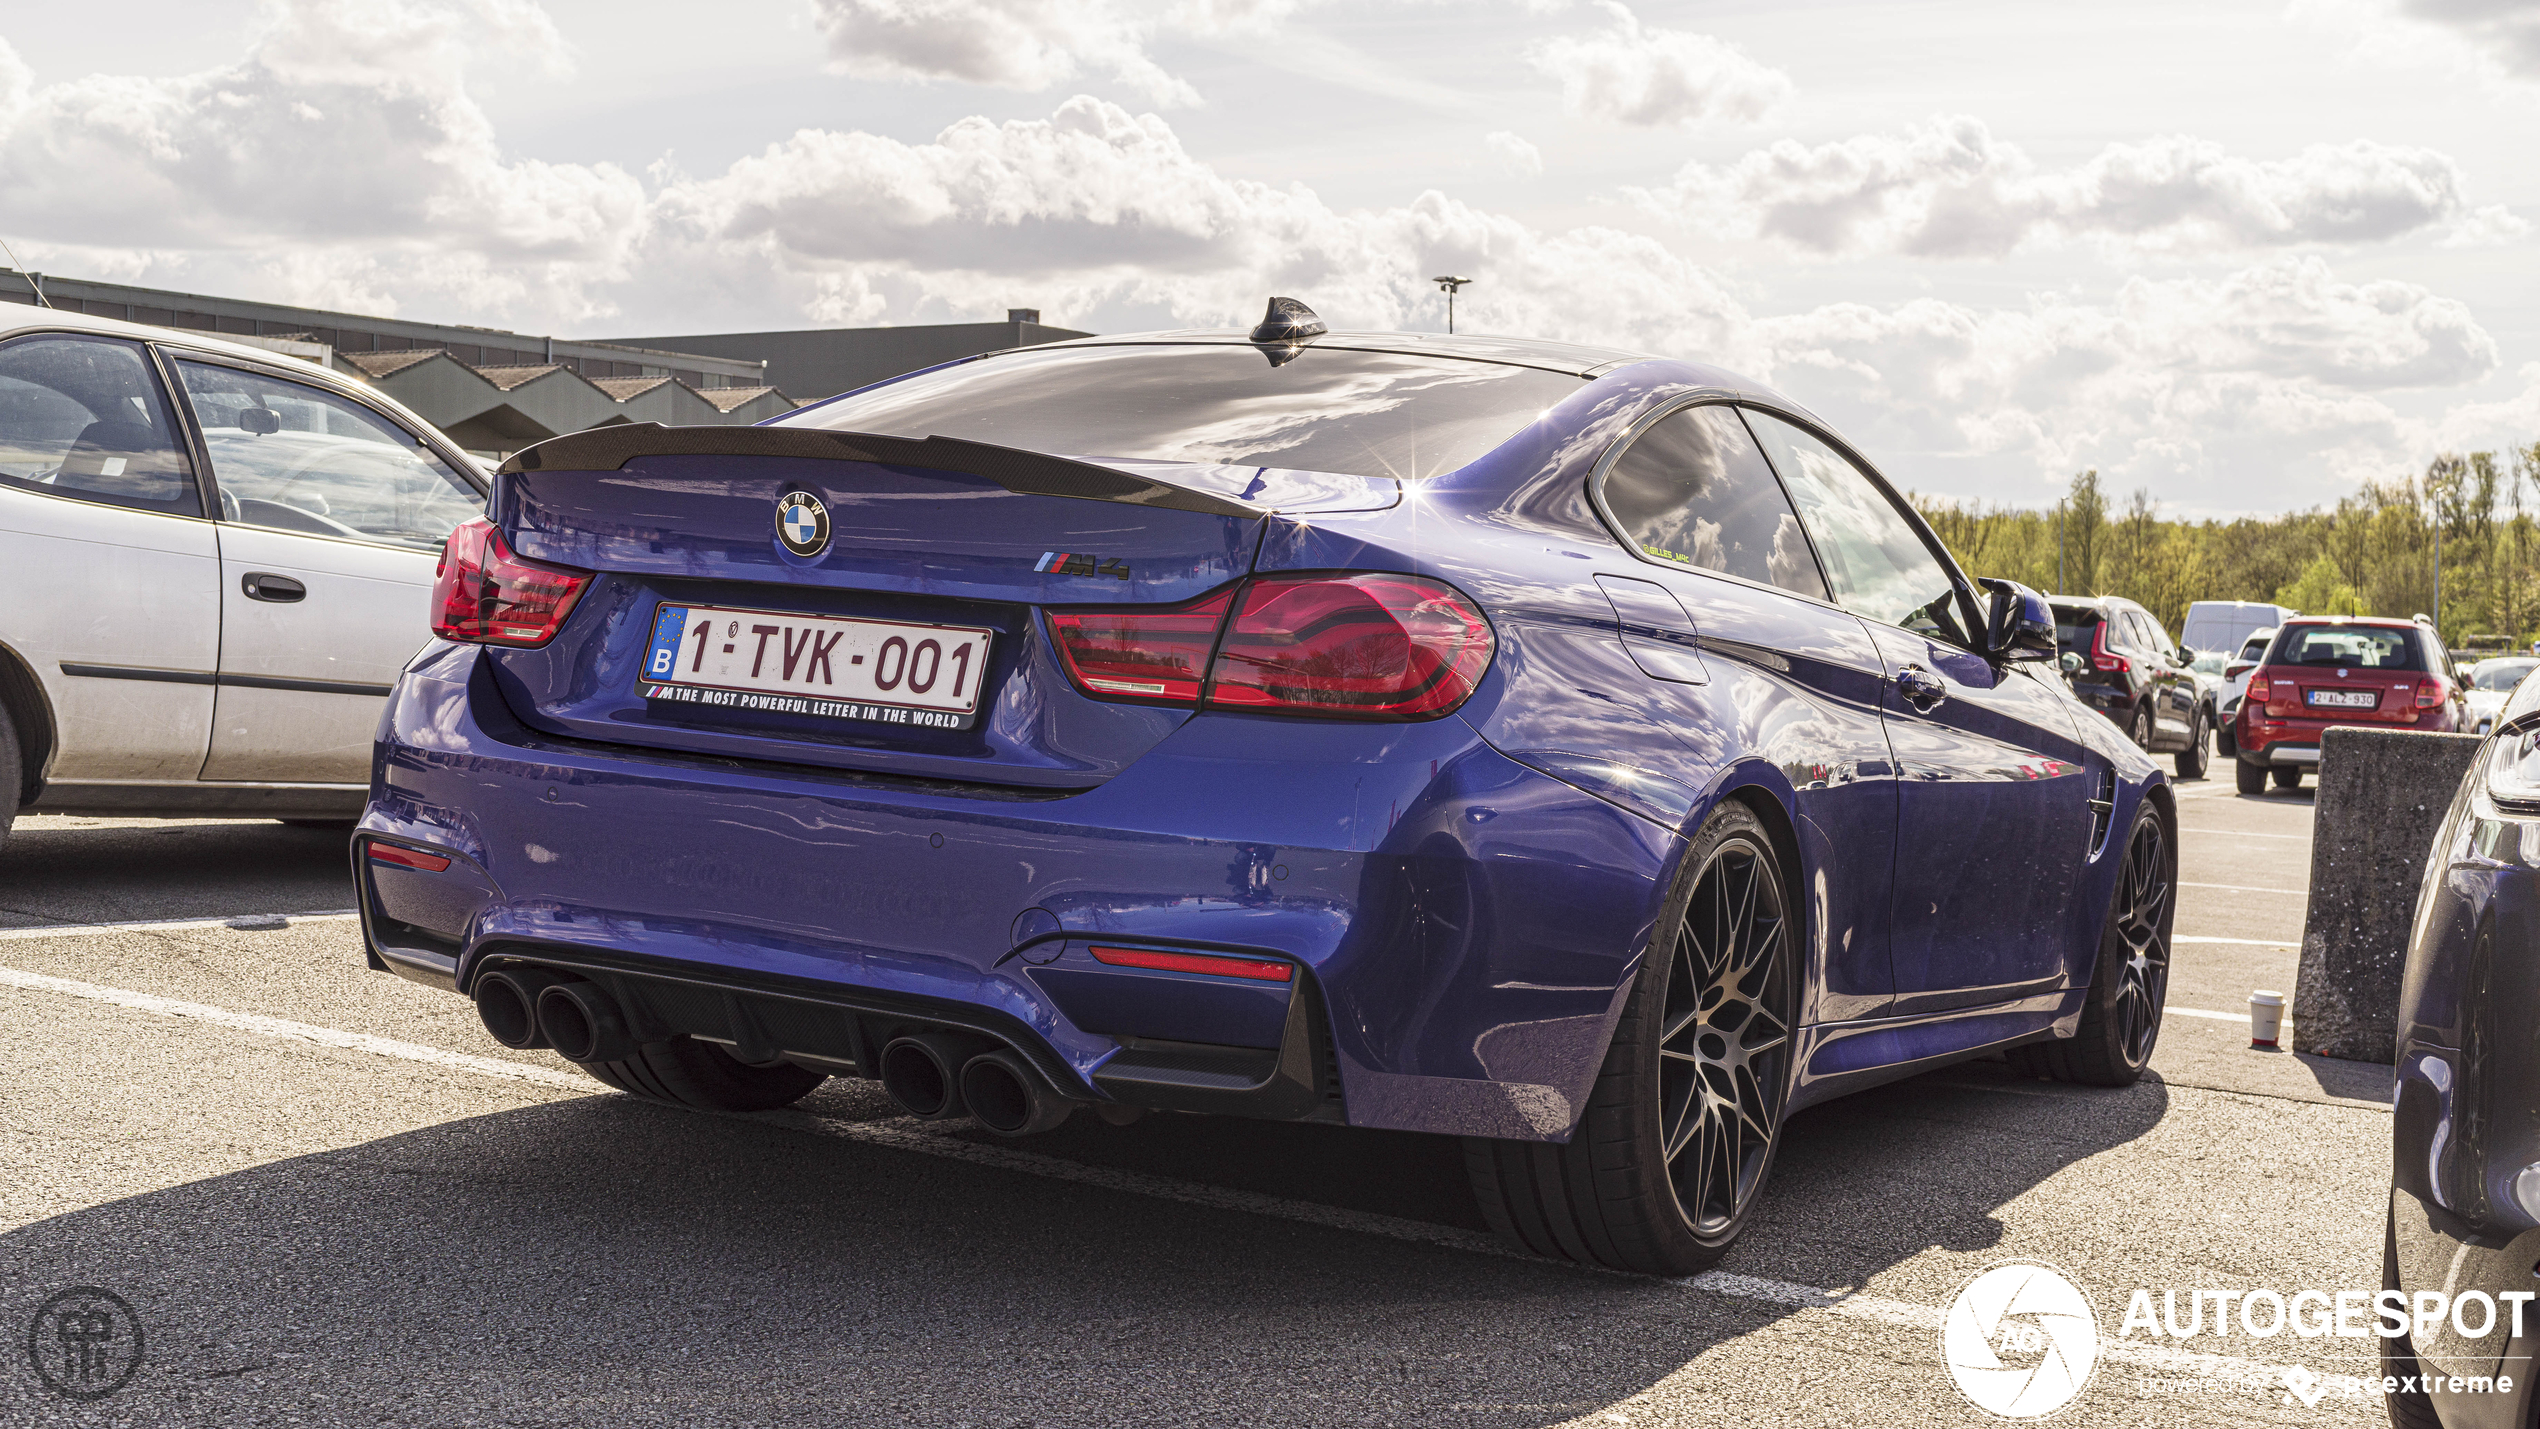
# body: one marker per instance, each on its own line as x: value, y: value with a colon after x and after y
x: 802, y: 523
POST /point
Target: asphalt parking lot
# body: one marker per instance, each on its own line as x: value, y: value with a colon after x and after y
x: 329, y: 1198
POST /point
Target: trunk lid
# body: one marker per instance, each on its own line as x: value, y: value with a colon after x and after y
x: 955, y: 543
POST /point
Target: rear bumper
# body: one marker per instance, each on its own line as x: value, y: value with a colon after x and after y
x: 1463, y: 926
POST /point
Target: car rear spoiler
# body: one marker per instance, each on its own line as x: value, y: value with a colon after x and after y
x: 1021, y: 472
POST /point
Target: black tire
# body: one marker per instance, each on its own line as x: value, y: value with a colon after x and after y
x: 2191, y: 760
x: 2288, y: 776
x: 687, y: 1072
x: 2408, y: 1409
x: 1688, y: 1106
x: 2139, y: 729
x: 12, y: 774
x: 2121, y: 1021
x: 2252, y: 777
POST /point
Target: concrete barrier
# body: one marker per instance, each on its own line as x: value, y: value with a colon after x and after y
x: 2382, y: 793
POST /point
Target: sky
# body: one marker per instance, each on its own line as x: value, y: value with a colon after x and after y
x: 2243, y: 256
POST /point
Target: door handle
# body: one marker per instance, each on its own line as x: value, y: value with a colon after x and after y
x: 265, y: 585
x: 1920, y: 689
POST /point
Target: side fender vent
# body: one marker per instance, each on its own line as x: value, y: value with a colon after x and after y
x: 2103, y: 810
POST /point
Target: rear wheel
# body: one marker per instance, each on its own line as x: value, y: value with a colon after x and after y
x: 2408, y: 1408
x: 2122, y: 1018
x: 12, y: 773
x: 1664, y: 1166
x: 2288, y: 776
x: 2140, y: 729
x: 688, y: 1072
x: 2252, y: 777
x: 2191, y: 760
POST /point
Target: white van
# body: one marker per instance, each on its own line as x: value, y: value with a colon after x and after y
x: 2224, y: 624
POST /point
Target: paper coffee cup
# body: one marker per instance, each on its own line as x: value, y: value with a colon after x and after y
x: 2266, y: 1017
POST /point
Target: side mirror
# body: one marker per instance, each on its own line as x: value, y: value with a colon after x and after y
x: 2069, y: 663
x: 263, y: 421
x: 2018, y: 623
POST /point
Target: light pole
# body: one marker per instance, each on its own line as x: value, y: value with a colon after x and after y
x: 1448, y: 285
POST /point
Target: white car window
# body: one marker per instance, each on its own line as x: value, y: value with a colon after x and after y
x: 298, y: 458
x: 82, y: 417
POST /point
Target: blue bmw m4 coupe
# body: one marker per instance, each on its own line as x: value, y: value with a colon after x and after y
x: 1584, y: 754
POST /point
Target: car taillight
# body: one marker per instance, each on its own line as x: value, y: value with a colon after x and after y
x: 2102, y: 657
x: 2429, y: 694
x: 1146, y: 652
x: 1350, y: 647
x: 484, y: 594
x: 2257, y: 692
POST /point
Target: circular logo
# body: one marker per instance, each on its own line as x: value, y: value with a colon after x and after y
x: 2020, y: 1341
x: 802, y: 523
x: 84, y: 1343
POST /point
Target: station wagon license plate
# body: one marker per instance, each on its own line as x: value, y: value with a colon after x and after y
x: 839, y: 667
x: 2343, y: 699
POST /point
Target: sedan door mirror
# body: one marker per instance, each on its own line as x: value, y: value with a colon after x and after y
x: 2018, y: 623
x: 263, y: 421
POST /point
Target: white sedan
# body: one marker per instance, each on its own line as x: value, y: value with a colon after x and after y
x: 217, y: 560
x: 2491, y: 683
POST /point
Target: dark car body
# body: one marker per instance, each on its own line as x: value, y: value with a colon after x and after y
x: 2132, y: 672
x: 2465, y: 1181
x: 2321, y: 671
x: 1453, y: 903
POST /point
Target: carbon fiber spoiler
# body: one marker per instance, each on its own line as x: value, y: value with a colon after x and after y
x: 1022, y: 472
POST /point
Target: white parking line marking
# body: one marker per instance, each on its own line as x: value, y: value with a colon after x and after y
x: 2217, y: 1016
x: 295, y: 1031
x: 2243, y: 888
x: 901, y: 1134
x: 256, y: 922
x: 2249, y: 942
x: 2241, y: 833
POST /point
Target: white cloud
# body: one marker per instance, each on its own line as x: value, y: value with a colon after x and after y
x: 2281, y: 372
x: 1634, y: 74
x: 346, y: 137
x: 1017, y: 44
x: 1949, y: 188
x: 2507, y: 31
x: 1515, y: 155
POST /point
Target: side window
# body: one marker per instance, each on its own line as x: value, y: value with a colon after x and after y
x: 83, y: 417
x: 1693, y: 489
x: 299, y: 458
x: 1875, y: 559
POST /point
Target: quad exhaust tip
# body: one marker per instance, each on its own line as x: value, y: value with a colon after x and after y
x: 1005, y: 1097
x: 922, y: 1071
x: 581, y: 1021
x: 507, y: 1003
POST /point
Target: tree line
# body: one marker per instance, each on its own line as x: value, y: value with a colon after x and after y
x: 2374, y: 553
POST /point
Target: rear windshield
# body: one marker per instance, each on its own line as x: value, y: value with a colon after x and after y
x: 2501, y: 674
x: 1401, y: 415
x: 2075, y: 629
x: 2356, y: 647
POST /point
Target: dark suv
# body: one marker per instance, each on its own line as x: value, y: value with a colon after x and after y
x: 2325, y: 670
x: 2122, y: 664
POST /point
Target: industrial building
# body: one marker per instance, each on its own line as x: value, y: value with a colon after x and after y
x: 495, y: 391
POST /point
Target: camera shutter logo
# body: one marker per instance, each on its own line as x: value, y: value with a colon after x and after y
x: 2020, y: 1341
x: 84, y: 1343
x: 802, y: 523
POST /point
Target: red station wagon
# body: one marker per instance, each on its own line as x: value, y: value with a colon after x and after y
x: 2330, y: 670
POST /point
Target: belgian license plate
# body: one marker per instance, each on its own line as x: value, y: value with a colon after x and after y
x: 2344, y: 699
x: 886, y: 671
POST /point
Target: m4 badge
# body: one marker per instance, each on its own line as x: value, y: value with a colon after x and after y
x: 1074, y: 563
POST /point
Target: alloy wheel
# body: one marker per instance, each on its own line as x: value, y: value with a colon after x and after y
x: 1724, y: 1052
x: 2142, y: 920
